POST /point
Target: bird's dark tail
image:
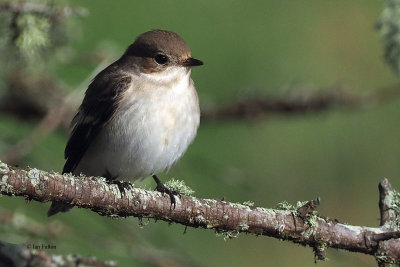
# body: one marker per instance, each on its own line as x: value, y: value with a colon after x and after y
x: 57, y: 207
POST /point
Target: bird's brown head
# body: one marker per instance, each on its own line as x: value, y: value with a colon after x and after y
x: 159, y: 49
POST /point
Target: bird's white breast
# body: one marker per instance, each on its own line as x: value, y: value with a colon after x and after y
x: 156, y: 121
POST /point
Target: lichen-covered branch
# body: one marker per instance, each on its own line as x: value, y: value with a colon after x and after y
x: 14, y: 255
x: 299, y: 224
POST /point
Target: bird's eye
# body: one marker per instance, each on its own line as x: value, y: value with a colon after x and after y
x: 161, y: 59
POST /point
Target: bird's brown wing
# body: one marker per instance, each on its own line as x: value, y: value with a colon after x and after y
x: 98, y: 107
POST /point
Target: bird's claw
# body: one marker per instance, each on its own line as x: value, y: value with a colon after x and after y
x: 171, y: 193
x: 122, y: 186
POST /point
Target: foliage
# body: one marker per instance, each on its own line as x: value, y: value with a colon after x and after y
x: 388, y: 26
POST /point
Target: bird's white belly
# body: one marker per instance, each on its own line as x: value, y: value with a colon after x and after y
x: 146, y: 136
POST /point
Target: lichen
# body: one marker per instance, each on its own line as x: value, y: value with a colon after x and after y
x: 70, y: 176
x: 312, y: 223
x: 227, y: 234
x: 179, y: 186
x: 385, y: 260
x: 4, y: 186
x: 312, y: 219
x: 320, y: 252
x: 115, y: 190
x: 34, y: 176
x: 143, y: 224
x: 73, y: 260
x: 244, y: 226
x: 58, y: 260
x: 284, y: 205
x: 210, y: 201
x: 249, y: 203
x: 388, y: 26
x: 34, y: 35
x: 3, y: 167
x: 197, y: 203
x: 300, y: 204
x: 395, y: 205
x: 199, y: 219
x: 4, y: 177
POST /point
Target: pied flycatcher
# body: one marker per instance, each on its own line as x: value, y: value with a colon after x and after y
x: 139, y: 114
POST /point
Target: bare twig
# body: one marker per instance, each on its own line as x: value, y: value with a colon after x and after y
x: 228, y: 219
x: 59, y: 114
x: 308, y: 208
x: 14, y: 255
x: 388, y: 216
x: 30, y: 226
x: 299, y: 102
x: 47, y: 125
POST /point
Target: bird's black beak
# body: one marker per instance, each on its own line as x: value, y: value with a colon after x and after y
x: 191, y: 62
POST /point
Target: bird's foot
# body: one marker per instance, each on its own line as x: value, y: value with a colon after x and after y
x: 165, y: 190
x: 112, y: 179
x: 122, y: 186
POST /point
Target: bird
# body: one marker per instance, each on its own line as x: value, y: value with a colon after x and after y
x: 138, y: 115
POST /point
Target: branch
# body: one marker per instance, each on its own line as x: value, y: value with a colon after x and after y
x: 301, y: 224
x: 47, y: 125
x: 13, y: 255
x: 300, y: 102
x: 40, y: 9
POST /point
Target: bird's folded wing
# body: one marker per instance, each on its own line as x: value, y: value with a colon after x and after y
x: 98, y: 107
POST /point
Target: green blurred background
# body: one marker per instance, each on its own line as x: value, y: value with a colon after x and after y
x: 261, y: 46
